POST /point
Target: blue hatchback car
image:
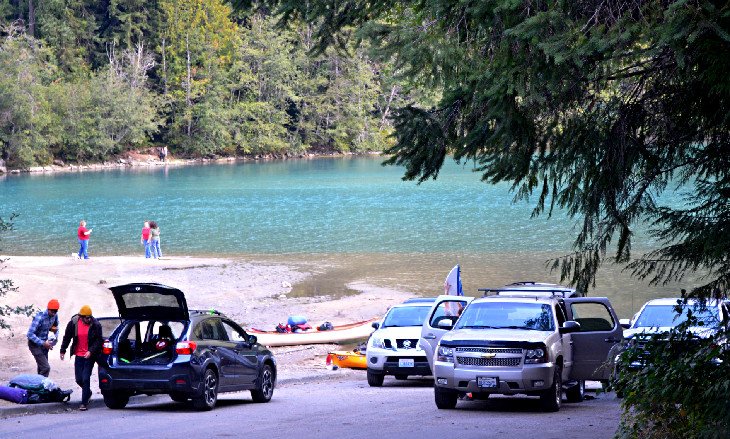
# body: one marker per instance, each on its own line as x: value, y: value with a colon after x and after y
x: 161, y: 347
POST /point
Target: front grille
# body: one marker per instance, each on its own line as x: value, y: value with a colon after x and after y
x: 491, y: 350
x: 489, y: 362
x: 406, y: 343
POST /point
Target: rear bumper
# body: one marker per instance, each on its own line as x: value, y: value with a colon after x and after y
x: 179, y: 378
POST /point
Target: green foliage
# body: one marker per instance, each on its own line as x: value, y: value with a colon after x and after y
x: 682, y: 390
x: 6, y: 286
x: 213, y: 83
x: 27, y: 125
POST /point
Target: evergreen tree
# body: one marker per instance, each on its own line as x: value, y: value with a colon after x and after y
x: 594, y: 107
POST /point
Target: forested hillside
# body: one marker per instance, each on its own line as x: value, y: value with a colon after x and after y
x: 85, y: 80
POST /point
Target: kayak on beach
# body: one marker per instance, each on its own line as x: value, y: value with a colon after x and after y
x: 350, y: 331
x: 347, y: 359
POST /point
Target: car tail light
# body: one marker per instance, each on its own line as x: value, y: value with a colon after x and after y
x: 328, y: 361
x: 106, y: 348
x: 186, y: 347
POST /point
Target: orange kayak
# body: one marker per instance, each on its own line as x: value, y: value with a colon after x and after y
x: 347, y: 359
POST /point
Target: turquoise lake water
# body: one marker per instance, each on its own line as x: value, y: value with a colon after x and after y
x: 351, y: 215
x: 322, y: 205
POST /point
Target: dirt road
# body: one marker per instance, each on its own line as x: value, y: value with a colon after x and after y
x: 345, y: 407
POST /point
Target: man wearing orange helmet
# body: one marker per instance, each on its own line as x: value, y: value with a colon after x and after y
x: 44, y: 323
x: 85, y: 332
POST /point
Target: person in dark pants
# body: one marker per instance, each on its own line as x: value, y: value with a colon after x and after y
x: 44, y: 323
x: 85, y: 331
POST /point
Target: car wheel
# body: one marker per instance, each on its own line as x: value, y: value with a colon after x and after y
x: 265, y: 389
x: 210, y: 392
x: 551, y: 398
x: 116, y: 400
x: 445, y: 398
x: 401, y: 377
x: 375, y: 379
x: 577, y: 392
x: 179, y: 397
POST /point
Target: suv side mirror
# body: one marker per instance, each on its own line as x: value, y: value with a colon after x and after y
x: 445, y: 324
x: 570, y: 326
x: 252, y: 340
x: 625, y: 323
x: 376, y: 325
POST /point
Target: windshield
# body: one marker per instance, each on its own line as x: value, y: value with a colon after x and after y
x: 508, y: 315
x: 666, y: 315
x: 406, y: 316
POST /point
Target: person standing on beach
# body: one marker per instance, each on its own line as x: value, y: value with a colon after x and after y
x: 85, y: 331
x: 83, y: 234
x: 42, y: 336
x: 155, y: 240
x: 146, y: 239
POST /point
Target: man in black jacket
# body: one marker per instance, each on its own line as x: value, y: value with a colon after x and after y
x: 85, y: 331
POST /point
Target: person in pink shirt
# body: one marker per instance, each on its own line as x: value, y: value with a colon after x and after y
x: 85, y: 331
x: 146, y: 239
x: 83, y: 235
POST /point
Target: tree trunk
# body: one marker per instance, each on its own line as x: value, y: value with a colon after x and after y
x: 188, y: 100
x: 164, y: 66
x: 31, y: 18
x: 393, y: 92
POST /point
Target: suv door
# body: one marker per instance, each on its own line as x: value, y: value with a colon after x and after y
x: 443, y: 308
x: 245, y: 353
x: 212, y: 334
x: 599, y: 332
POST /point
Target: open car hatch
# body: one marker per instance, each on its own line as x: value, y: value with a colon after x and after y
x: 139, y: 301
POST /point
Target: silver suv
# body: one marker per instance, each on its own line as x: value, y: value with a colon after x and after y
x: 530, y: 343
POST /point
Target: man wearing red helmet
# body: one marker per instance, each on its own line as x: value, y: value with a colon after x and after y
x: 45, y: 324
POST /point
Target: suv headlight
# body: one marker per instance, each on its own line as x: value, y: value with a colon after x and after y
x: 377, y: 342
x: 445, y: 354
x: 535, y: 356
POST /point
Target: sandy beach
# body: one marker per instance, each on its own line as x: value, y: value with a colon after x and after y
x: 254, y: 294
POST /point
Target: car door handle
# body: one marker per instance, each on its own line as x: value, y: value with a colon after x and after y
x: 429, y: 337
x: 611, y: 340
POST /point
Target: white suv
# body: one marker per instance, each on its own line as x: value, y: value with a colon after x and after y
x: 393, y: 347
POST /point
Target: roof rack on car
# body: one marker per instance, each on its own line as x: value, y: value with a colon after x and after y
x: 517, y: 288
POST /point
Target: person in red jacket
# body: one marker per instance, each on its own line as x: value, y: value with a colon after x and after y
x: 85, y: 331
x: 83, y: 234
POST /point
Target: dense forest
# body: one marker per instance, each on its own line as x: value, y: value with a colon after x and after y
x: 84, y: 80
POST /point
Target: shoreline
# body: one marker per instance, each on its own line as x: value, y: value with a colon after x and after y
x: 252, y: 293
x: 136, y: 160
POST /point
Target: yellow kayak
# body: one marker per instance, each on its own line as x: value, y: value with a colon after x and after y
x: 347, y: 359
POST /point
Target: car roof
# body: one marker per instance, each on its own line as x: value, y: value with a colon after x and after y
x: 420, y: 300
x: 408, y: 304
x: 673, y: 301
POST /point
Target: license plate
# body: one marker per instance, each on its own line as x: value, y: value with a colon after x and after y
x: 487, y: 382
x: 406, y: 362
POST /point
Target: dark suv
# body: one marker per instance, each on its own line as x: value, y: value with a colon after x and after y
x: 161, y: 347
